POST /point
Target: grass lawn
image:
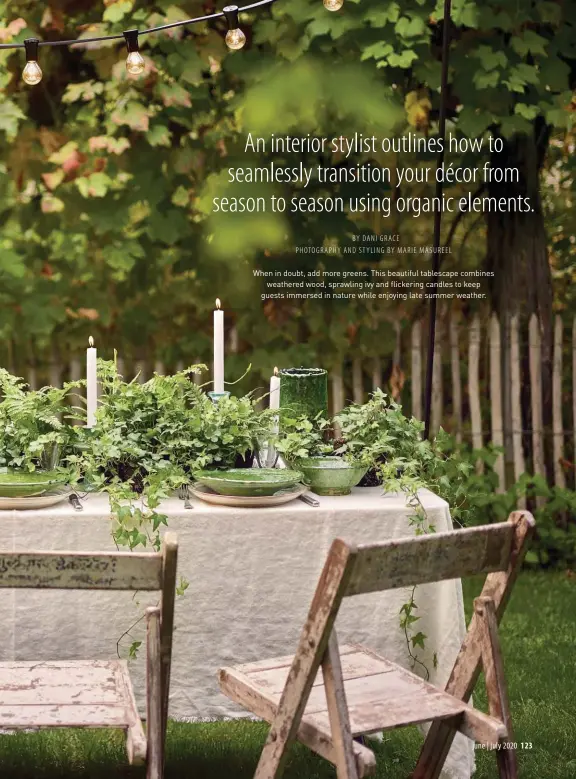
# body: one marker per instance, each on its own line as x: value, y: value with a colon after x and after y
x: 539, y: 637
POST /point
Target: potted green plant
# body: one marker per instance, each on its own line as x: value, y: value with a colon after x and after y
x: 370, y: 436
x: 308, y: 445
x: 376, y: 431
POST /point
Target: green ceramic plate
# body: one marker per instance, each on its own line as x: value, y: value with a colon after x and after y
x: 248, y: 482
x: 20, y: 484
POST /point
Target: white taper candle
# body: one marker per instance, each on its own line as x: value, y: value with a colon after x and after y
x: 275, y: 396
x: 91, y: 383
x: 218, y: 348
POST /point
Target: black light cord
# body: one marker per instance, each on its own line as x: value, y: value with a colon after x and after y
x: 437, y: 217
x: 120, y: 36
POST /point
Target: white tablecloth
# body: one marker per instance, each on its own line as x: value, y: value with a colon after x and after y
x: 252, y: 575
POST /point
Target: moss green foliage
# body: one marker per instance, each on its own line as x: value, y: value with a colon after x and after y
x: 538, y: 635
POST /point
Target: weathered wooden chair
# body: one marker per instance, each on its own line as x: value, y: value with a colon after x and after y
x: 95, y: 693
x: 359, y: 692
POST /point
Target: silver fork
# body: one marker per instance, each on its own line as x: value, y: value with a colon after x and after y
x: 184, y: 494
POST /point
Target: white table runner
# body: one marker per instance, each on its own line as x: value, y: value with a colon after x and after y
x: 252, y: 575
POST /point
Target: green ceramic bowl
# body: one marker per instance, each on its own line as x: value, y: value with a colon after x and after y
x: 330, y: 475
x: 248, y: 482
x: 21, y: 484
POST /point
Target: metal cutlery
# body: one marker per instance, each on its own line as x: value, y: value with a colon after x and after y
x: 75, y: 502
x: 184, y: 494
x: 309, y: 500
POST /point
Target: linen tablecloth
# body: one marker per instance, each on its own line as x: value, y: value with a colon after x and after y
x: 251, y: 574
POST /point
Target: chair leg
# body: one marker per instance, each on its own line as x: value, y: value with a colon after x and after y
x: 436, y: 748
x: 270, y: 765
x: 507, y: 764
x: 338, y: 711
x: 498, y: 703
x: 154, y: 723
x: 154, y: 766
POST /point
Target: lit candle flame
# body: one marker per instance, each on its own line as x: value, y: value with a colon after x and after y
x: 275, y: 371
x: 218, y: 303
x: 90, y: 342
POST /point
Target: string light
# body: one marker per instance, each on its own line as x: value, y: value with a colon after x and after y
x: 235, y: 38
x: 135, y: 64
x: 32, y: 73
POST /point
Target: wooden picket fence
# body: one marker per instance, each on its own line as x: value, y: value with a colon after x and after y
x: 487, y: 387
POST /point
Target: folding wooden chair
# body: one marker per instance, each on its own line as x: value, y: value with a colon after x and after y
x: 359, y: 692
x: 95, y: 693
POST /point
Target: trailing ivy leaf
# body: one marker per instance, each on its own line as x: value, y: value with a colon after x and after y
x: 133, y: 650
x: 418, y: 640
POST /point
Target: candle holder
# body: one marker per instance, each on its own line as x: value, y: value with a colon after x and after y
x: 216, y: 396
x: 266, y: 456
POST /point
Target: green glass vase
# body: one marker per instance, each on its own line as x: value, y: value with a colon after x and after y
x: 303, y: 392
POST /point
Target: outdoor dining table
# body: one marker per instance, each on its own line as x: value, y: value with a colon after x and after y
x: 251, y: 576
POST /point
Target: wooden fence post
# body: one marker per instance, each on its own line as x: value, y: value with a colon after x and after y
x: 507, y: 387
x: 557, y: 430
x: 338, y: 400
x: 456, y: 374
x: 574, y: 391
x: 376, y: 374
x: 159, y: 368
x: 141, y: 371
x: 437, y: 383
x: 357, y: 380
x: 55, y: 370
x: 417, y: 369
x: 234, y: 340
x: 474, y: 386
x: 32, y: 376
x: 75, y: 397
x: 496, y: 420
x: 516, y: 403
x: 535, y: 342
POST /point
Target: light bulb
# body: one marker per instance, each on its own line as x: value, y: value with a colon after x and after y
x: 32, y: 73
x: 135, y: 64
x: 235, y: 39
x: 333, y: 5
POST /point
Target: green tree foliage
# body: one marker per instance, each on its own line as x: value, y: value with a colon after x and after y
x: 106, y: 181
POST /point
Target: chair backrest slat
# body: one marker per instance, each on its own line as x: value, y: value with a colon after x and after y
x: 81, y: 570
x: 431, y: 558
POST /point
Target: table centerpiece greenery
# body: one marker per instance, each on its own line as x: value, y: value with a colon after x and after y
x: 150, y: 437
x: 377, y: 435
